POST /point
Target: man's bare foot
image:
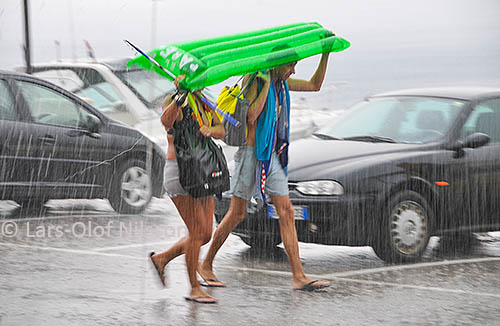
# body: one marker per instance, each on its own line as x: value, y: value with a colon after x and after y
x: 199, y: 296
x: 159, y: 268
x: 310, y: 285
x: 209, y: 277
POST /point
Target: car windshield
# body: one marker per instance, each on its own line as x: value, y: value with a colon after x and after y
x: 413, y: 120
x: 150, y: 87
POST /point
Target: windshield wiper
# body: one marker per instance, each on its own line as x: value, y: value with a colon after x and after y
x: 326, y: 137
x: 375, y: 139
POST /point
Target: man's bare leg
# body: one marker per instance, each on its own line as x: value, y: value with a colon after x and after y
x: 233, y: 217
x: 289, y: 237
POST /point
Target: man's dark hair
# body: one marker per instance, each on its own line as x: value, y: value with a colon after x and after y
x: 282, y: 54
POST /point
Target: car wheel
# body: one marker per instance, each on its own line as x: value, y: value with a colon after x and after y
x: 262, y: 242
x: 405, y: 228
x: 131, y: 188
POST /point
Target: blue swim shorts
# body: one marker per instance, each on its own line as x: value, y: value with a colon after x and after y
x: 243, y: 178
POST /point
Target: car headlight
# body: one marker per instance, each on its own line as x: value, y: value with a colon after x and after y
x: 320, y: 187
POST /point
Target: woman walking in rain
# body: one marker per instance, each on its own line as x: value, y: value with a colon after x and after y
x: 197, y: 213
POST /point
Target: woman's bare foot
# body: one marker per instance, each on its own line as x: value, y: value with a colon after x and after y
x: 199, y: 296
x: 160, y: 269
x: 209, y: 277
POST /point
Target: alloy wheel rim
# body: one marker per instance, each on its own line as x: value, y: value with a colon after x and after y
x: 136, y: 187
x: 408, y: 227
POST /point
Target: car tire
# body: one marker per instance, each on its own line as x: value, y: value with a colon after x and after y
x: 32, y: 206
x: 262, y: 242
x: 131, y: 188
x: 458, y: 243
x: 405, y: 229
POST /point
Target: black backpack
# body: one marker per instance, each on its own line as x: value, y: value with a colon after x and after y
x: 202, y: 164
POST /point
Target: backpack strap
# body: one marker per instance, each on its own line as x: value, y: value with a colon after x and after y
x: 247, y: 85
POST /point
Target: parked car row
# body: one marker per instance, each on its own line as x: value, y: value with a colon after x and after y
x: 73, y: 148
x: 55, y: 145
x: 393, y: 170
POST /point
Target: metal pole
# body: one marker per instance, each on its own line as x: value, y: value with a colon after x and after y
x: 58, y: 50
x: 154, y: 8
x: 27, y: 48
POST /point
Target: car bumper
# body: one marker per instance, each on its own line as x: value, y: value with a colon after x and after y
x: 341, y: 220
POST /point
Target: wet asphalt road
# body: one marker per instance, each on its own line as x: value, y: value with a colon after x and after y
x: 82, y: 264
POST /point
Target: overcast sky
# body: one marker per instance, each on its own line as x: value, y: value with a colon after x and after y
x: 375, y: 23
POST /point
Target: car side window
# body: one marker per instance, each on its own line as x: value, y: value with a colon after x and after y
x: 430, y: 114
x: 49, y: 107
x: 485, y: 118
x: 7, y: 107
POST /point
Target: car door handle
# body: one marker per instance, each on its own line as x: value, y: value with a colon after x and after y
x: 81, y: 132
x: 47, y: 140
x: 76, y: 132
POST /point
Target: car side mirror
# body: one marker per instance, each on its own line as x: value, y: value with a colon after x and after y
x: 475, y: 140
x: 93, y: 125
x: 117, y: 106
x: 120, y: 106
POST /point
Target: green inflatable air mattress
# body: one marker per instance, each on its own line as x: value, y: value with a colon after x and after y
x: 211, y: 61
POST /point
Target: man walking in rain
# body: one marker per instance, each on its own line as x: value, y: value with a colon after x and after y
x: 263, y: 163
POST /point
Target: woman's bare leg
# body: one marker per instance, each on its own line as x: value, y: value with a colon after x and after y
x: 199, y: 224
x: 160, y: 260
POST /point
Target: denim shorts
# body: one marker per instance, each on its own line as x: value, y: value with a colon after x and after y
x: 171, y: 179
x: 243, y: 179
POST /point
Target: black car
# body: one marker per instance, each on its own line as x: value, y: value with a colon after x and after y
x: 53, y: 145
x: 395, y: 169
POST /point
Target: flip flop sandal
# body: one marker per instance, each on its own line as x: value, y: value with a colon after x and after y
x: 208, y: 285
x: 197, y: 299
x: 311, y: 287
x: 161, y: 274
